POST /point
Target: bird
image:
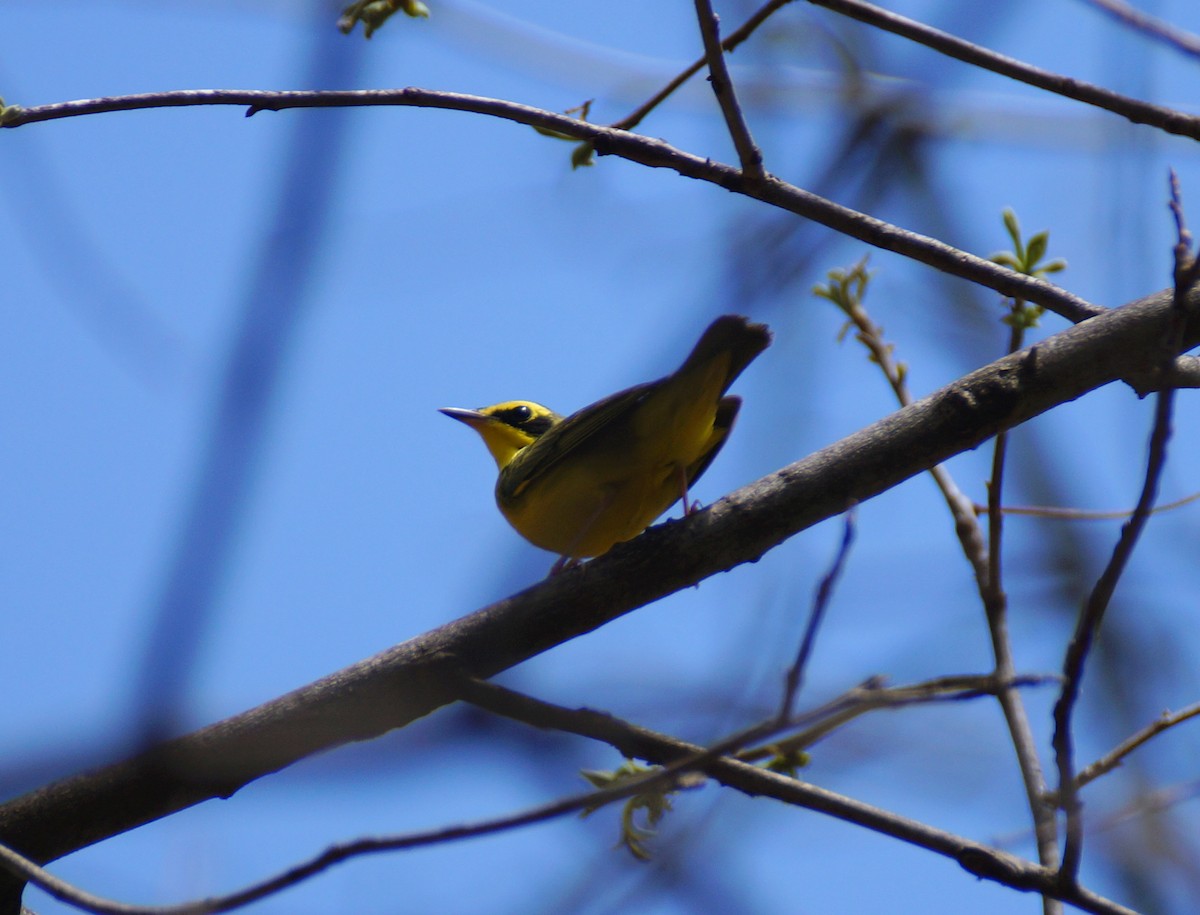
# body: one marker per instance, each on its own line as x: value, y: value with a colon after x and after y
x: 578, y: 485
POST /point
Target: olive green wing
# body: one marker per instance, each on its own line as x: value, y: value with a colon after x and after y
x: 730, y: 336
x: 568, y: 437
x: 727, y: 410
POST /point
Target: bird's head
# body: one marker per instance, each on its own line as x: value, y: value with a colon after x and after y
x: 507, y: 427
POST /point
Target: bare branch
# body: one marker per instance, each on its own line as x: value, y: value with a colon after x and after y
x: 795, y: 674
x: 412, y: 679
x: 845, y: 290
x: 981, y: 860
x: 608, y: 141
x: 655, y: 154
x: 1090, y: 618
x: 335, y: 854
x: 744, y: 31
x: 749, y: 155
x: 677, y: 759
x: 1117, y: 754
x: 1146, y: 804
x: 1139, y: 112
x: 870, y: 335
x: 871, y: 696
x: 1152, y: 26
x: 995, y: 605
x: 1084, y: 514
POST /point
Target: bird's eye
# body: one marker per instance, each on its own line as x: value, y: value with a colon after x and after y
x: 517, y: 416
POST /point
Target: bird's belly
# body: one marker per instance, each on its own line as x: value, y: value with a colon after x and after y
x: 581, y: 514
x: 585, y: 505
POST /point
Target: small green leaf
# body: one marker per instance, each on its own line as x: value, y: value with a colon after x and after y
x: 554, y: 134
x: 583, y: 155
x: 374, y: 13
x: 1024, y: 316
x: 1013, y: 227
x: 9, y: 113
x: 1025, y: 259
x: 846, y: 288
x: 786, y: 762
x: 1036, y: 249
x: 653, y: 805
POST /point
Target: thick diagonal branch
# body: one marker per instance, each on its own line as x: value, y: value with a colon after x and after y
x: 411, y: 680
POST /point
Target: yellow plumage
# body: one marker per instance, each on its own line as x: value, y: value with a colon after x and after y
x: 602, y: 475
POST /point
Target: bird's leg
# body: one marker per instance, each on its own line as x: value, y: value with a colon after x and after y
x: 681, y: 474
x: 563, y: 564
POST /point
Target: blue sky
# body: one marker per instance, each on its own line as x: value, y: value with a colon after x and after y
x: 443, y: 259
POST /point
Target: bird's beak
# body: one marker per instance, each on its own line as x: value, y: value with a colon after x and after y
x: 472, y: 418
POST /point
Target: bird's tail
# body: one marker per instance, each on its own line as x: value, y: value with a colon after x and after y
x: 735, y: 336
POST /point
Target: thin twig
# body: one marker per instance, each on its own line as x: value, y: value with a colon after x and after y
x: 1149, y: 25
x: 984, y: 561
x: 749, y: 155
x: 995, y: 600
x: 1187, y: 265
x: 815, y: 724
x: 995, y: 605
x: 1135, y: 110
x: 1147, y: 802
x: 795, y: 674
x: 1092, y: 614
x: 871, y: 696
x: 966, y: 524
x: 335, y: 854
x: 1082, y: 514
x: 1117, y: 754
x: 1159, y: 800
x: 735, y: 38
